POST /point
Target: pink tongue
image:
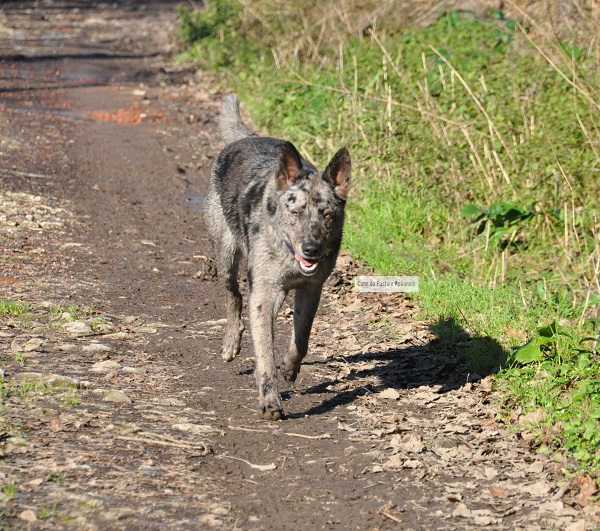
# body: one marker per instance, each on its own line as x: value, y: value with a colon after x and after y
x: 304, y: 261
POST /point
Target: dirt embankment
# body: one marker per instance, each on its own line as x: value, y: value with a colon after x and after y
x: 117, y: 411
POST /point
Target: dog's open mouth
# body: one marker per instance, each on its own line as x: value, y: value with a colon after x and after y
x: 307, y: 267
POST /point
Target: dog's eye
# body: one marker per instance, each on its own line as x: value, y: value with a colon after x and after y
x: 327, y: 216
x: 296, y: 214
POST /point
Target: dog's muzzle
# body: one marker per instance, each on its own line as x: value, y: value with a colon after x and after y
x: 308, y: 264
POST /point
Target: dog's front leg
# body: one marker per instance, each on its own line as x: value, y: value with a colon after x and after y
x: 265, y: 301
x: 306, y: 302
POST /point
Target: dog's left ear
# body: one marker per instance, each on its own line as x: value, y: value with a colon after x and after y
x: 290, y: 166
x: 338, y: 173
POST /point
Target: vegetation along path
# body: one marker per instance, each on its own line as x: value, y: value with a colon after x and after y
x: 117, y: 411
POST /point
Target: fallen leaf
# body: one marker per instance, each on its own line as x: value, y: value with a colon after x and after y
x: 389, y: 393
x: 28, y: 516
x: 499, y: 492
x: 411, y: 444
x: 486, y: 520
x: 576, y: 526
x: 554, y: 507
x: 587, y: 486
x: 539, y: 488
x: 462, y: 511
x: 55, y: 425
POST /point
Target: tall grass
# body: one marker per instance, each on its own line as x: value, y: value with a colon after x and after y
x: 476, y: 146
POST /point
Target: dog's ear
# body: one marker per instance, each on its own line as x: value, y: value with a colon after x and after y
x: 338, y: 173
x: 290, y: 166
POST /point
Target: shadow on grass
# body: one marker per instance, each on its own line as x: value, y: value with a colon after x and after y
x: 448, y: 361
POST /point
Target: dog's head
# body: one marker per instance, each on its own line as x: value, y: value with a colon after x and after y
x: 310, y: 209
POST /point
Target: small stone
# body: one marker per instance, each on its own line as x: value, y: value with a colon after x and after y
x: 35, y: 483
x: 193, y: 428
x: 66, y: 347
x: 134, y: 370
x: 28, y: 516
x: 57, y: 380
x: 94, y: 348
x: 77, y: 328
x: 35, y: 343
x: 105, y: 366
x: 118, y: 397
x: 117, y: 335
x: 169, y: 402
x: 220, y: 511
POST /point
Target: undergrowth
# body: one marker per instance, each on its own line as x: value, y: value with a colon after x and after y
x: 475, y: 143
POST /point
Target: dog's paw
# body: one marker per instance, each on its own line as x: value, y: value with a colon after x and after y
x: 289, y: 373
x: 267, y: 413
x: 228, y: 353
x: 269, y: 406
x: 232, y: 343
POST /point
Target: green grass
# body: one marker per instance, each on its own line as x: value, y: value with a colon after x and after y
x: 476, y: 166
x: 46, y: 512
x: 72, y: 399
x: 9, y: 491
x: 13, y: 308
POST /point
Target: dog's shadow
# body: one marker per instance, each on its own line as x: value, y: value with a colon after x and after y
x: 451, y: 358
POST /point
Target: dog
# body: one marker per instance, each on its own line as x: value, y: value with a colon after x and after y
x: 270, y: 207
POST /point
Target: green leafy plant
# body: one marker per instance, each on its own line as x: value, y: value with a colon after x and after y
x: 500, y: 221
x: 540, y: 347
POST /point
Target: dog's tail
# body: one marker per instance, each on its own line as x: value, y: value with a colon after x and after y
x: 230, y: 123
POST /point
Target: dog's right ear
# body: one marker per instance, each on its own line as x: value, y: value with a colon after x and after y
x: 290, y: 166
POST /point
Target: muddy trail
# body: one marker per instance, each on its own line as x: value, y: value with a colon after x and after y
x: 117, y: 411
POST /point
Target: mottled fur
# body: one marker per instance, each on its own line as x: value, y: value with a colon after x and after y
x: 269, y: 206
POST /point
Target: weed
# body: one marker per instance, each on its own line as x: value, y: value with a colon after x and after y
x: 21, y: 357
x: 71, y: 399
x: 25, y: 387
x: 14, y: 308
x: 57, y: 477
x: 46, y: 513
x: 89, y: 504
x: 9, y: 490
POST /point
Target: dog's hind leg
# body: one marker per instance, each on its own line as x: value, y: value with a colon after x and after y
x: 229, y: 257
x: 264, y: 302
x: 306, y: 303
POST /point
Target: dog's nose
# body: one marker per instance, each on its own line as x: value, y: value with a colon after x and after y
x: 311, y: 249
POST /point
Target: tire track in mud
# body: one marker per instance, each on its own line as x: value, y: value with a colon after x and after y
x: 121, y: 415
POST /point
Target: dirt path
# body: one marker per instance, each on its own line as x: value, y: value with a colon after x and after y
x: 117, y: 410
